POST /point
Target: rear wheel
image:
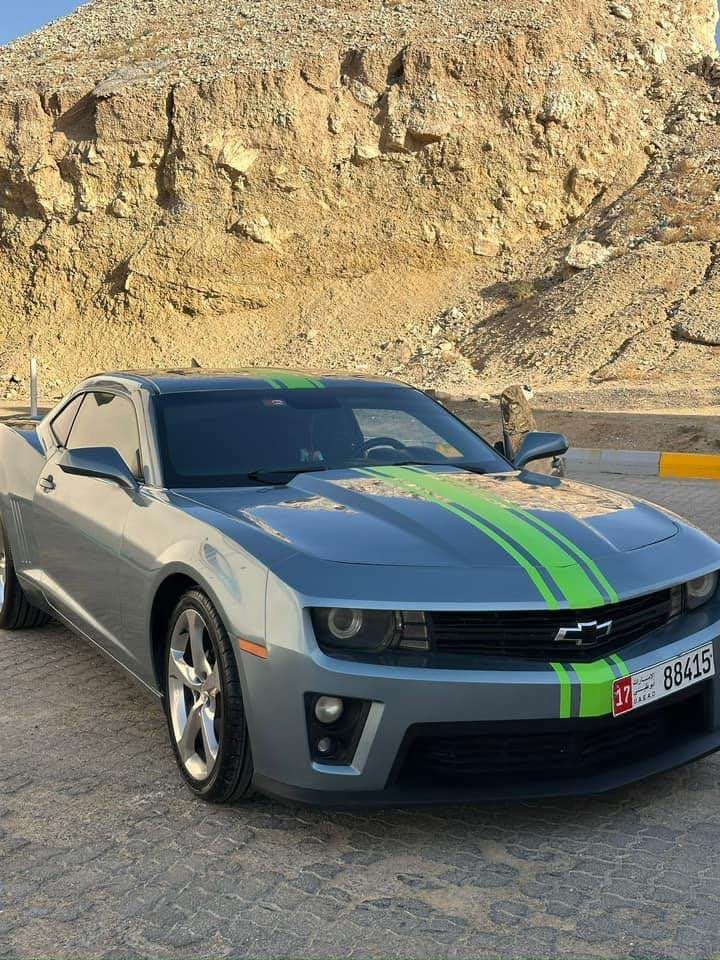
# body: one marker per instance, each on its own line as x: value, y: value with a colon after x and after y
x: 16, y: 612
x: 203, y: 703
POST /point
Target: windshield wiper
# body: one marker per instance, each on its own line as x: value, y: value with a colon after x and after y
x: 470, y: 468
x: 263, y: 475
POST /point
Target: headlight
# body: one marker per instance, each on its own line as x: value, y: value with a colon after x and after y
x: 369, y: 631
x: 345, y: 624
x: 349, y: 629
x: 700, y: 590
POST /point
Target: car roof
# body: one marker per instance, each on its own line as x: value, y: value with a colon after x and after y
x: 251, y: 378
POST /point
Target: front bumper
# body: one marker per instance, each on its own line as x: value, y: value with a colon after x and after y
x: 407, y: 703
x: 601, y: 782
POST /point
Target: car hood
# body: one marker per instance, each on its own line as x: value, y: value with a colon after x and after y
x: 445, y: 517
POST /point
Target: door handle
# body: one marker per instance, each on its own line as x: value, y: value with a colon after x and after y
x: 47, y: 483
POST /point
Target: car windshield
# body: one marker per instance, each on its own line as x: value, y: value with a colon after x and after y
x: 223, y: 438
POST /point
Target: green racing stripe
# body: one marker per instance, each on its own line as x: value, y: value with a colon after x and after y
x: 286, y: 379
x: 509, y: 548
x: 620, y: 663
x: 596, y: 683
x: 574, y: 549
x: 565, y: 689
x: 563, y: 568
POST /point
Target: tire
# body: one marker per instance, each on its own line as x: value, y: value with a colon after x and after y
x: 203, y: 703
x: 16, y: 612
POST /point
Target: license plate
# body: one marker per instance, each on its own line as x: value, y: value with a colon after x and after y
x: 660, y: 681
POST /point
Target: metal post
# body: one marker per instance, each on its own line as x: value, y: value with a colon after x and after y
x: 33, y: 388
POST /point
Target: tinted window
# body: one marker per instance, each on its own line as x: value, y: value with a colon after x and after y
x: 107, y: 420
x: 218, y: 437
x: 64, y: 420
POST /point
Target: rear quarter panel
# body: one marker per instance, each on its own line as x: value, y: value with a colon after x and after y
x: 22, y: 458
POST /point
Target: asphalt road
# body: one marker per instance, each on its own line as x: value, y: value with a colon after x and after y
x: 103, y: 853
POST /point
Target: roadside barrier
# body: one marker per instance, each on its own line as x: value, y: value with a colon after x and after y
x: 644, y: 463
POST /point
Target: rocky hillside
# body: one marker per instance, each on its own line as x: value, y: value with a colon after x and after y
x: 456, y: 191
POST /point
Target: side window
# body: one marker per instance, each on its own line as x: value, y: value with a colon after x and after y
x: 63, y: 422
x: 107, y: 420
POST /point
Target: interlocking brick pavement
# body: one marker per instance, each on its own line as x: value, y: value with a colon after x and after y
x: 103, y: 853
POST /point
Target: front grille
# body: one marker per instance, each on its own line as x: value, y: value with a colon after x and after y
x: 463, y: 754
x: 531, y: 633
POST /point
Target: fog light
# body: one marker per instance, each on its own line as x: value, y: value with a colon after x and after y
x: 334, y: 727
x: 329, y: 709
x: 325, y: 746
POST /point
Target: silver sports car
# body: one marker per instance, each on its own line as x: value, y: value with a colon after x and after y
x: 342, y: 594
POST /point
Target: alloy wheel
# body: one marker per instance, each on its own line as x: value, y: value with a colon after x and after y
x: 195, y: 694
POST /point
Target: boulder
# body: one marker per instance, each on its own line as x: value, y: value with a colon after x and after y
x: 654, y: 53
x: 120, y: 80
x: 259, y: 230
x: 237, y: 157
x: 362, y: 92
x: 486, y: 247
x: 621, y: 11
x: 365, y: 153
x: 587, y: 254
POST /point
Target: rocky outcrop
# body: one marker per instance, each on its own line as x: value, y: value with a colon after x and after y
x: 629, y: 295
x: 223, y: 205
x: 609, y: 322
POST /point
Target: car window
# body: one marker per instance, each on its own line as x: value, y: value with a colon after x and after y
x: 108, y: 420
x: 220, y: 437
x: 63, y: 422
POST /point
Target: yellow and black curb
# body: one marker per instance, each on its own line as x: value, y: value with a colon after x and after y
x: 698, y: 466
x: 646, y: 463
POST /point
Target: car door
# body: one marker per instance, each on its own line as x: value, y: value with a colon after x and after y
x: 79, y: 522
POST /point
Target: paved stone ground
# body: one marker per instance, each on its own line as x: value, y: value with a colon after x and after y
x: 103, y: 853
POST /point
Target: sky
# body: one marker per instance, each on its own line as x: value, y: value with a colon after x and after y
x: 17, y: 18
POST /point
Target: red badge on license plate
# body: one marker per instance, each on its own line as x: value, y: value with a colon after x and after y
x: 623, y: 695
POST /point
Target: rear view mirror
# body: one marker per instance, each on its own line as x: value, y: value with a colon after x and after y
x: 105, y: 463
x: 540, y: 446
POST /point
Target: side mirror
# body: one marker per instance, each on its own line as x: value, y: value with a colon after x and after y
x: 105, y: 463
x: 540, y: 446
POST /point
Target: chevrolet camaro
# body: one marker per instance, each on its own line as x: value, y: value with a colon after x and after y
x: 342, y: 594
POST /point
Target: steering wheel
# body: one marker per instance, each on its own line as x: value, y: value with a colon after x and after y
x: 373, y: 442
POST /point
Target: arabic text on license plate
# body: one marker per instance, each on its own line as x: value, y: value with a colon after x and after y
x: 659, y: 681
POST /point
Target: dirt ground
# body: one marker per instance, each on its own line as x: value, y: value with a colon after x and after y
x: 688, y: 431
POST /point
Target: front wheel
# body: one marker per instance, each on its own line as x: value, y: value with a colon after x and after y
x: 203, y: 703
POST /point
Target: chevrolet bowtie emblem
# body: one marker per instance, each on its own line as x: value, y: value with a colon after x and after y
x: 583, y: 634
